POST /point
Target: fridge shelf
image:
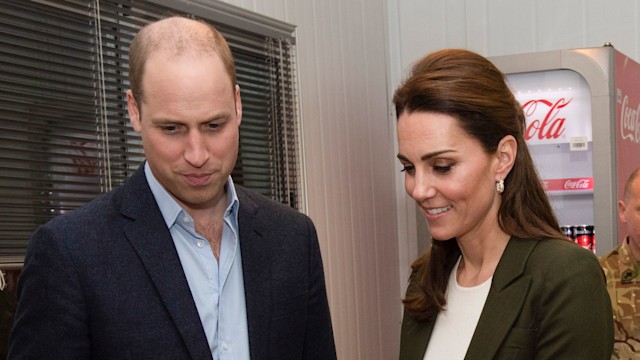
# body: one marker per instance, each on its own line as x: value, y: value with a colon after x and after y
x: 568, y: 192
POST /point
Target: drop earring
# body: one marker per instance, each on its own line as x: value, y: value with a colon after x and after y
x: 500, y: 186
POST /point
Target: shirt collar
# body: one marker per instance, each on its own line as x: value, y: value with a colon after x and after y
x: 170, y: 208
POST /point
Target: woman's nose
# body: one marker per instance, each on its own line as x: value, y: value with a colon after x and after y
x: 422, y: 188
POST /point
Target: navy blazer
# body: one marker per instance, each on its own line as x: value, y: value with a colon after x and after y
x: 548, y: 301
x: 105, y: 282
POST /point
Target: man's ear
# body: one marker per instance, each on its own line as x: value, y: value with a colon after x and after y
x: 621, y: 211
x: 134, y: 111
x: 506, y: 155
x: 238, y: 104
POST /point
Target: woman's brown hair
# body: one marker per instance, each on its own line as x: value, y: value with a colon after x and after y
x: 467, y: 86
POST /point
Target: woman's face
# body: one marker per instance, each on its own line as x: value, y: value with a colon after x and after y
x: 450, y: 176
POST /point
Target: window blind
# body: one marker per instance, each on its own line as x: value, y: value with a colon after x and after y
x: 65, y: 136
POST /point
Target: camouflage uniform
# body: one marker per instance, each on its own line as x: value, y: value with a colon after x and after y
x: 623, y: 284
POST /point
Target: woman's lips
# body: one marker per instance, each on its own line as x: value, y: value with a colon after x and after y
x: 436, y: 212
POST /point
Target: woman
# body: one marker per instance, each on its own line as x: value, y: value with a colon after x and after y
x: 500, y: 280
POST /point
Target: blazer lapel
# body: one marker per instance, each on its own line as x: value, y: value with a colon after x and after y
x: 415, y: 338
x: 504, y: 302
x: 416, y: 335
x: 149, y: 236
x: 256, y: 267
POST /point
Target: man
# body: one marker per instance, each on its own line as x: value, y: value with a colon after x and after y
x: 178, y: 263
x: 621, y: 269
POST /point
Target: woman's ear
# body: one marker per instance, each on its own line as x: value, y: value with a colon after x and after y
x: 506, y: 155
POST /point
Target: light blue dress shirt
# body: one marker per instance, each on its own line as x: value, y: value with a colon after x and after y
x: 217, y: 287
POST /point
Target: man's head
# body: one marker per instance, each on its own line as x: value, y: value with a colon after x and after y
x: 629, y: 211
x: 176, y: 37
x: 187, y: 107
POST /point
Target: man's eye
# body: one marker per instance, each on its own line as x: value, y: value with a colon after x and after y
x: 169, y: 128
x: 214, y: 126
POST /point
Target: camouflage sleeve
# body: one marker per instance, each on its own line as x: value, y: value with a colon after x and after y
x: 623, y: 286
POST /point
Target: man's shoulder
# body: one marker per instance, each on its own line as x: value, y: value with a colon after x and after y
x: 612, y: 256
x: 276, y: 216
x: 88, y: 214
x: 253, y: 199
x: 99, y: 208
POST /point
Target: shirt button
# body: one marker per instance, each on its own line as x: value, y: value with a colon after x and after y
x: 200, y: 243
x: 185, y: 219
x: 225, y: 346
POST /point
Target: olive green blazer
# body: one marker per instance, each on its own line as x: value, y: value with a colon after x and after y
x: 548, y: 300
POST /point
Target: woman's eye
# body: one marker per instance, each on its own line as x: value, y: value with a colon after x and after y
x: 442, y: 169
x: 407, y: 168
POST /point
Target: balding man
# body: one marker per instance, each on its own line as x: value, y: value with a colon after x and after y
x: 177, y: 263
x: 623, y: 281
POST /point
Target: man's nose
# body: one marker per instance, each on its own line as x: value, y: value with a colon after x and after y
x: 196, y: 152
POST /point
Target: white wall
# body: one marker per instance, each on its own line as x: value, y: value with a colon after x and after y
x: 351, y: 56
x: 349, y: 158
x: 502, y: 27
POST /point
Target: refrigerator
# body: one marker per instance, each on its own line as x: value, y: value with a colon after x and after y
x: 582, y: 109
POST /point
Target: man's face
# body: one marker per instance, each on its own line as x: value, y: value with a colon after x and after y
x: 189, y: 122
x: 629, y: 211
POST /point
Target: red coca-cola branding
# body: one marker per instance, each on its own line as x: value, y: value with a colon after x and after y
x: 569, y: 184
x: 556, y: 104
x: 629, y: 121
x: 551, y: 124
x: 583, y: 183
x: 627, y: 96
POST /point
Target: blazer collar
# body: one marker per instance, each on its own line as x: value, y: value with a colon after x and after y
x: 416, y: 334
x: 148, y: 234
x: 415, y: 337
x: 255, y: 248
x: 509, y: 289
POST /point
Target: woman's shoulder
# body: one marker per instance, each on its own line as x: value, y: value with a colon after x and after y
x: 561, y: 254
x: 561, y: 247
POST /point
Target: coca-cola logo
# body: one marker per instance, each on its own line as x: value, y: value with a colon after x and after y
x: 629, y: 122
x: 568, y: 184
x: 576, y: 184
x: 548, y: 126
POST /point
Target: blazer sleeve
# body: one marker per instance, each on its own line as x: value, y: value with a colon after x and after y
x: 319, y: 342
x: 51, y: 319
x: 576, y: 316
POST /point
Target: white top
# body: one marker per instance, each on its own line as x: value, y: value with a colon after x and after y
x: 455, y: 325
